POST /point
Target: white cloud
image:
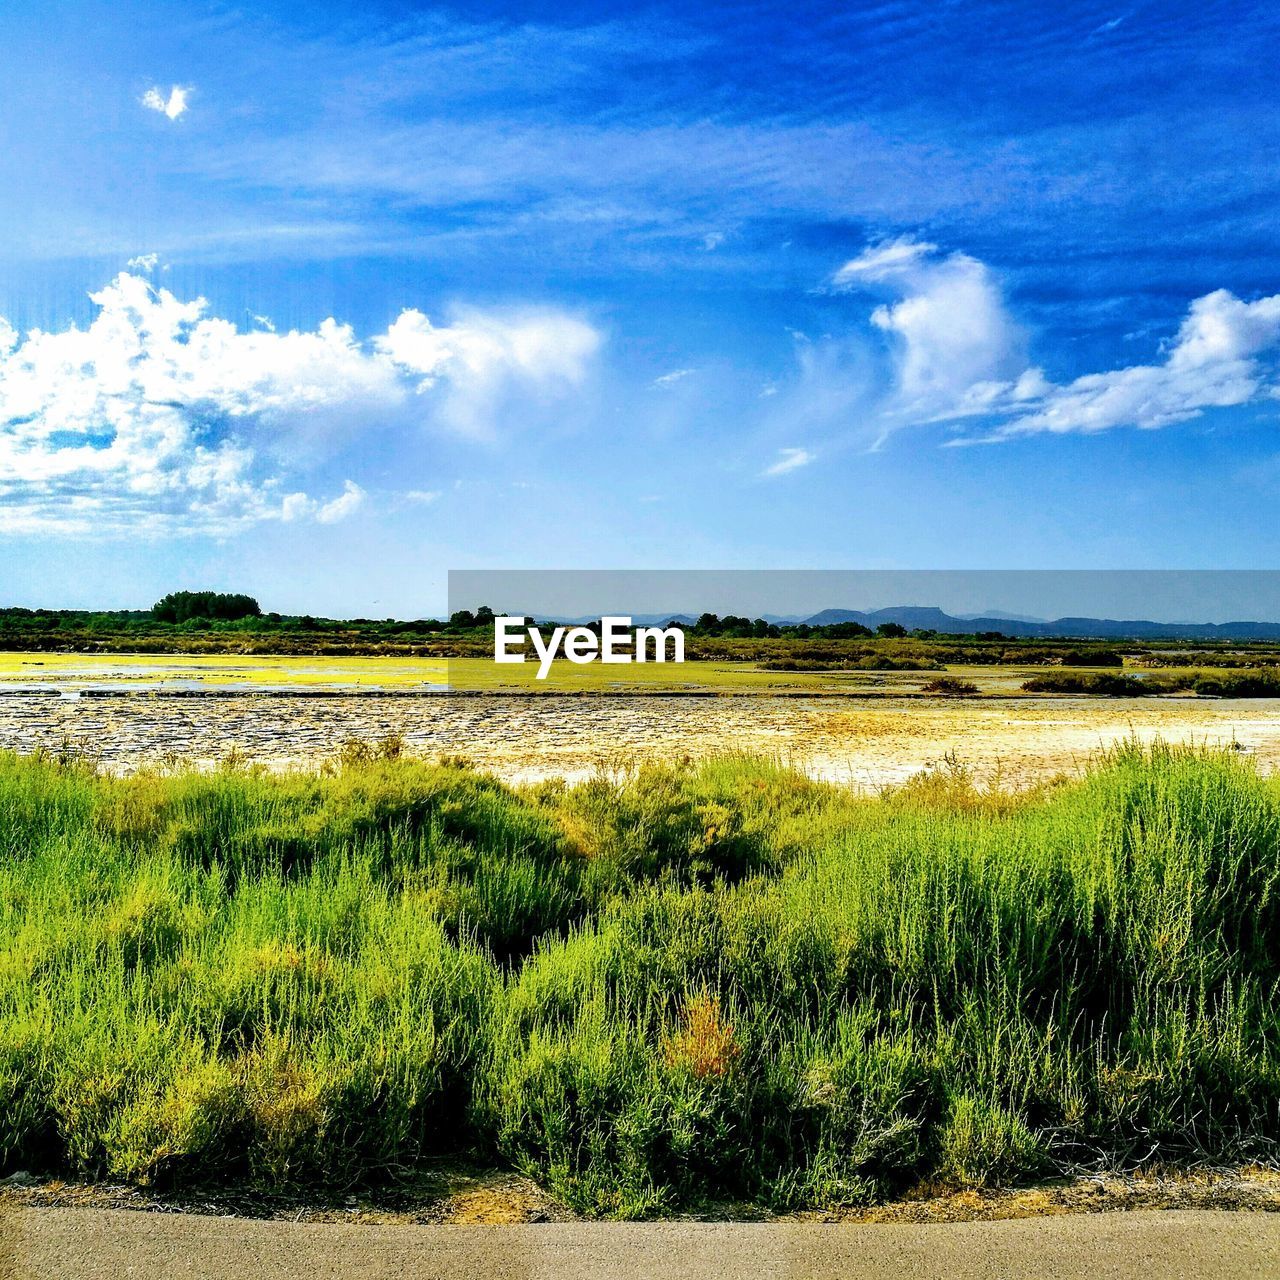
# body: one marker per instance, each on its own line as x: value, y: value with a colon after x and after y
x: 423, y: 496
x: 486, y: 357
x: 959, y: 355
x: 297, y: 506
x: 144, y: 262
x: 346, y: 504
x: 949, y: 325
x: 670, y: 379
x: 161, y: 417
x: 173, y: 106
x: 789, y: 460
x: 887, y: 260
x: 1215, y: 361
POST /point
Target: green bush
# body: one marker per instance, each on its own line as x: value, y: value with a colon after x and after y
x: 950, y: 686
x: 1097, y: 682
x: 650, y: 990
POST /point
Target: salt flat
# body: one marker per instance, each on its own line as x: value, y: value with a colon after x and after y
x: 865, y: 740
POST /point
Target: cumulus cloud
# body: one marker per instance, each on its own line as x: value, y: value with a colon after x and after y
x: 789, y: 460
x: 298, y: 506
x: 484, y: 358
x: 347, y: 503
x: 960, y: 356
x: 1218, y: 359
x: 173, y: 106
x: 949, y: 326
x: 144, y: 262
x: 161, y: 416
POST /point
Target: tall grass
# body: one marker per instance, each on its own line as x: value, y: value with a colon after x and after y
x: 649, y: 990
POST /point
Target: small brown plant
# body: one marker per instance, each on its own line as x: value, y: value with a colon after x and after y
x: 950, y: 686
x: 705, y: 1046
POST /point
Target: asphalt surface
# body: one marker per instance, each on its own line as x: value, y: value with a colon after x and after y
x: 71, y: 1244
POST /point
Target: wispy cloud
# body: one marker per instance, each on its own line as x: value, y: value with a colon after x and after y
x: 670, y: 379
x: 172, y: 106
x: 162, y: 416
x: 1103, y: 27
x: 789, y: 460
x: 614, y: 136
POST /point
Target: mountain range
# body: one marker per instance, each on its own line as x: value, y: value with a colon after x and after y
x: 917, y: 618
x: 927, y: 618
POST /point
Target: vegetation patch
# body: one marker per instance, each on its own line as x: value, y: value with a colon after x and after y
x: 951, y: 686
x: 1106, y: 683
x: 1262, y: 682
x: 649, y: 990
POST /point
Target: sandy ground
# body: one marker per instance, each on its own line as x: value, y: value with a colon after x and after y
x: 76, y: 1244
x: 865, y: 741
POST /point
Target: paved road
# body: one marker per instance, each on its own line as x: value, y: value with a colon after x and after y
x: 76, y: 1244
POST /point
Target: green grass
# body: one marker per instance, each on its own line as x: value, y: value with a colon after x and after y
x: 650, y: 991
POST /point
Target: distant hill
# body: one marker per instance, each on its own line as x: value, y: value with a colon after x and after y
x: 637, y: 619
x: 1003, y: 617
x: 922, y: 618
x: 663, y: 619
x: 928, y: 618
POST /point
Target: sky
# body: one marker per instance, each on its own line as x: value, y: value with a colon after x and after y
x: 322, y: 301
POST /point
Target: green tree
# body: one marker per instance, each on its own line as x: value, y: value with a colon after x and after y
x: 183, y: 606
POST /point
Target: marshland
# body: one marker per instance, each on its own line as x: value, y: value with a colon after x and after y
x: 654, y: 989
x: 295, y: 909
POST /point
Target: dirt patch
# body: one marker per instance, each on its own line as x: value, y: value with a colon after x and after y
x: 440, y: 1194
x: 469, y: 1197
x: 1252, y: 1188
x: 492, y: 1205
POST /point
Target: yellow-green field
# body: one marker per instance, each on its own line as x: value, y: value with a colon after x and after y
x: 74, y: 671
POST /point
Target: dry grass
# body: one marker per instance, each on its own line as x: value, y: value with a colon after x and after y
x: 705, y: 1045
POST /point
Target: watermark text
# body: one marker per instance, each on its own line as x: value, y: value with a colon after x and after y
x: 614, y: 641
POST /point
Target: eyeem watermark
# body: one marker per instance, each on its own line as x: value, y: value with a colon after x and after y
x: 616, y: 641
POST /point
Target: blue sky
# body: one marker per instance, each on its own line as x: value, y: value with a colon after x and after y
x: 320, y: 301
